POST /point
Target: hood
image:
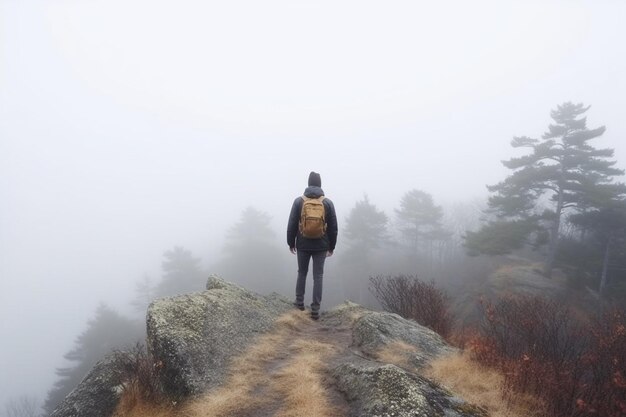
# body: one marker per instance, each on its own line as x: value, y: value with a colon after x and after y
x: 313, y: 191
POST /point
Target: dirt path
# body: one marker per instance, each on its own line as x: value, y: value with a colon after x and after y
x: 323, y: 340
x: 284, y: 373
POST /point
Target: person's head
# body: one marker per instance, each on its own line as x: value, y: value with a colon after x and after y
x: 315, y: 179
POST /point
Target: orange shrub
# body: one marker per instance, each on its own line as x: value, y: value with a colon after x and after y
x: 576, y: 367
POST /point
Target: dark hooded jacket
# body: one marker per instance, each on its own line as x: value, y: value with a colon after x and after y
x: 295, y: 238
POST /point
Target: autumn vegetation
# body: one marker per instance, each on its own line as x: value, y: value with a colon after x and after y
x: 546, y: 357
x: 574, y: 364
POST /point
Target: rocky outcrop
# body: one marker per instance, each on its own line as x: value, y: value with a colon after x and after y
x: 374, y: 388
x: 374, y: 331
x: 192, y: 337
x: 384, y: 390
x: 526, y: 280
x: 516, y: 277
x: 97, y: 395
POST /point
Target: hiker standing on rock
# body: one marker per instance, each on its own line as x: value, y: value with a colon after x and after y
x: 312, y: 233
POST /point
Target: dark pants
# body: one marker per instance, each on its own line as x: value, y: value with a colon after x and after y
x: 318, y: 274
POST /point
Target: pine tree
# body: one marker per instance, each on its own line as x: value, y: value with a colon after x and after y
x: 605, y: 227
x: 252, y: 228
x: 365, y: 232
x: 108, y: 330
x: 24, y: 406
x: 181, y: 273
x: 561, y: 174
x: 366, y: 227
x: 420, y: 222
x: 145, y: 292
x: 419, y: 218
x: 252, y: 257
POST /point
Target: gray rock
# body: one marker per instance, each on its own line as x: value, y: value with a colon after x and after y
x: 526, y: 280
x: 97, y: 395
x: 193, y: 337
x: 378, y: 390
x: 374, y: 331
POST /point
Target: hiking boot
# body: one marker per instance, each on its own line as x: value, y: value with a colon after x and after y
x: 315, y: 315
x: 299, y: 306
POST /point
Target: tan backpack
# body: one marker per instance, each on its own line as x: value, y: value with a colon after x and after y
x: 313, y: 218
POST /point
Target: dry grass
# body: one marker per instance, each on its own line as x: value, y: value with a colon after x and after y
x: 354, y: 316
x: 239, y: 396
x: 282, y: 374
x: 293, y: 321
x: 480, y: 386
x: 294, y: 390
x: 300, y: 383
x: 131, y: 405
x: 397, y: 353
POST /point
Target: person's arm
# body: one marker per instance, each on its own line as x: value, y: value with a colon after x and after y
x: 331, y: 226
x: 292, y: 224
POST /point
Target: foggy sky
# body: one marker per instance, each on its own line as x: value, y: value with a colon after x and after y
x: 128, y: 127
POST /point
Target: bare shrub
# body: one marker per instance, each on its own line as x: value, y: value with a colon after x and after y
x: 413, y: 299
x: 605, y: 390
x: 575, y: 366
x: 538, y: 343
x: 139, y: 373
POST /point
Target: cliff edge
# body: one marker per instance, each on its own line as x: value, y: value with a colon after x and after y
x: 252, y: 355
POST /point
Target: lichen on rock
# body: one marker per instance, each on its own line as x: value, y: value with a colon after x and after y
x: 97, y: 395
x: 377, y: 330
x: 383, y: 390
x: 193, y: 337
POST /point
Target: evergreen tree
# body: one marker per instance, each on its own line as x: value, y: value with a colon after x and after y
x: 606, y: 229
x: 561, y: 174
x: 420, y: 222
x: 181, y: 273
x: 145, y: 292
x: 252, y: 228
x: 107, y: 331
x: 365, y: 232
x: 252, y: 257
x: 23, y: 406
x: 420, y: 219
x: 366, y: 227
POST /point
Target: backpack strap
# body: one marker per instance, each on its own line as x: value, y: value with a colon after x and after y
x: 305, y: 198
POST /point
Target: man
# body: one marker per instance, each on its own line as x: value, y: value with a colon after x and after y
x: 309, y: 238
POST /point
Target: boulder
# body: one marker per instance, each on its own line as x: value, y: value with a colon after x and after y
x: 526, y: 280
x: 516, y: 277
x: 193, y: 337
x: 97, y: 395
x: 374, y: 331
x: 383, y: 390
x: 377, y: 389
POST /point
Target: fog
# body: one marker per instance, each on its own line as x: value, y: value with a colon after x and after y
x: 131, y: 127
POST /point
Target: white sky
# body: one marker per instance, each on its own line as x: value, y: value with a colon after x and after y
x: 127, y: 127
